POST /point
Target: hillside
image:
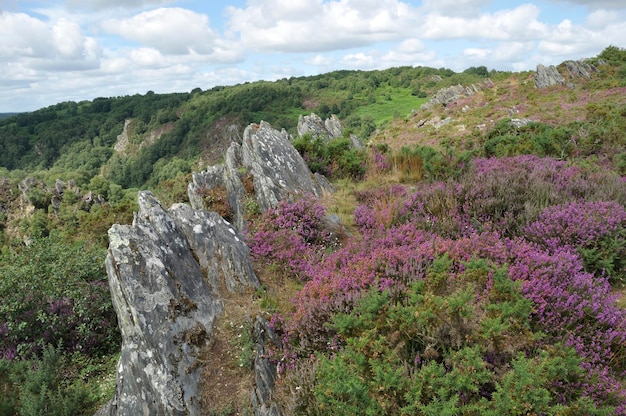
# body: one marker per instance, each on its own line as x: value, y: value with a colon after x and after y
x: 481, y: 257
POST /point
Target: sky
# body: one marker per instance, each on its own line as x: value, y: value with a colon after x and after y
x: 53, y: 51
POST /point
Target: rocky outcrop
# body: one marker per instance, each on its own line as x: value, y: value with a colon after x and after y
x: 550, y: 75
x: 447, y: 95
x: 278, y: 170
x: 580, y: 69
x: 122, y: 141
x: 329, y: 129
x: 166, y: 271
x: 266, y: 161
x: 318, y: 128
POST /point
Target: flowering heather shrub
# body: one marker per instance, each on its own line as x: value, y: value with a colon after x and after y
x: 436, y: 207
x: 595, y: 230
x: 567, y: 304
x: 380, y: 207
x: 577, y: 308
x: 292, y: 236
x: 505, y: 194
x: 378, y: 160
x: 396, y: 258
x: 510, y: 191
x: 438, y: 236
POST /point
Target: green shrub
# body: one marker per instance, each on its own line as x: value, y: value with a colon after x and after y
x: 39, y: 387
x: 506, y: 140
x: 335, y: 158
x: 458, y: 342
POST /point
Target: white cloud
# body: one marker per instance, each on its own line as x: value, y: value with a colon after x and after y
x: 599, y: 19
x: 25, y: 40
x: 172, y: 31
x: 147, y: 57
x: 110, y: 4
x: 360, y: 60
x: 319, y: 60
x: 519, y: 23
x: 316, y: 26
x: 22, y: 35
x: 410, y: 52
x: 596, y: 4
x: 510, y: 54
x: 465, y: 8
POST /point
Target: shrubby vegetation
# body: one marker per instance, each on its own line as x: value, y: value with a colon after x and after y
x: 466, y: 296
x: 335, y: 158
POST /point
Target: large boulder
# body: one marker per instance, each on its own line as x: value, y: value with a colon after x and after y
x: 165, y: 272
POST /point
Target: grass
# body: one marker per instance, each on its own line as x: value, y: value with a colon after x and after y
x: 391, y: 103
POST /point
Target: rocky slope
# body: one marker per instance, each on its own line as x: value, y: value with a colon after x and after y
x: 169, y: 270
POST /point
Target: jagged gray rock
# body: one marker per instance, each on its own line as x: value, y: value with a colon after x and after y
x: 447, y: 95
x: 580, y: 69
x: 548, y: 76
x: 318, y: 128
x: 278, y: 170
x: 333, y: 126
x: 264, y: 370
x: 268, y: 160
x: 165, y: 271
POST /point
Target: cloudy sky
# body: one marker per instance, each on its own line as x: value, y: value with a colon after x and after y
x: 71, y: 50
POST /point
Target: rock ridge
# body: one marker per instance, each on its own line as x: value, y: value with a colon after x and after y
x: 165, y: 272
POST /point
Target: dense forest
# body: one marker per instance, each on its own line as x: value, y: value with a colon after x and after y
x: 483, y: 275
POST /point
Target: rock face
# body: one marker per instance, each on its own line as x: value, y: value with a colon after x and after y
x: 548, y: 76
x: 276, y: 166
x: 165, y: 273
x: 580, y: 69
x: 316, y: 127
x: 266, y: 159
x: 447, y: 95
x: 264, y: 370
x: 168, y: 270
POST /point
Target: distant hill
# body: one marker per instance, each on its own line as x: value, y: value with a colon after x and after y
x: 7, y: 115
x: 163, y: 135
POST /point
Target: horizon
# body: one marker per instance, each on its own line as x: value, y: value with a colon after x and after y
x: 72, y: 50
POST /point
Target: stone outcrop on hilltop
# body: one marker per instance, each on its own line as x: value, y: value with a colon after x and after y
x: 328, y: 129
x: 267, y: 160
x: 548, y: 76
x: 168, y: 272
x: 447, y: 95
